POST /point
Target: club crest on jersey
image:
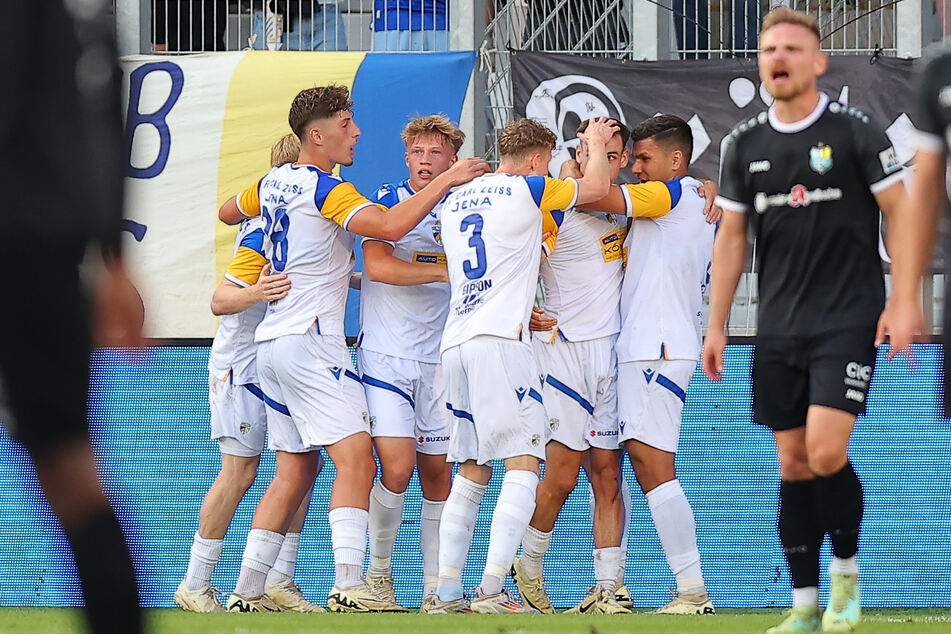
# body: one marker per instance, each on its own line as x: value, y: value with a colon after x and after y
x: 437, y: 231
x: 820, y: 158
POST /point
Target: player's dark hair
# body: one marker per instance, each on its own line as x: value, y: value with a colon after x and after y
x: 623, y: 131
x: 668, y: 131
x: 321, y: 102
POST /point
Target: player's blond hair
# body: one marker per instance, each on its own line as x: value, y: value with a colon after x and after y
x: 434, y: 124
x: 785, y: 15
x: 285, y: 150
x: 524, y: 136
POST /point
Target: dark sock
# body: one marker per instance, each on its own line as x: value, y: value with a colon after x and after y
x: 106, y: 574
x: 840, y: 505
x: 800, y: 531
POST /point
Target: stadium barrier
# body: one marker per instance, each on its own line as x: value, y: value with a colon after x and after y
x: 150, y: 425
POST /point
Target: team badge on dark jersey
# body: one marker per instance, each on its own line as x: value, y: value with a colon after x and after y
x: 820, y: 158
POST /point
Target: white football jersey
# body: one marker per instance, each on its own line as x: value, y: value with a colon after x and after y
x: 666, y: 275
x: 233, y: 349
x: 492, y: 232
x: 582, y: 276
x: 306, y: 212
x: 406, y: 321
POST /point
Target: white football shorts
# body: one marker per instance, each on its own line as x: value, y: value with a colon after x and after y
x: 494, y: 399
x: 238, y: 419
x: 316, y: 397
x: 406, y: 399
x: 580, y: 391
x: 651, y: 397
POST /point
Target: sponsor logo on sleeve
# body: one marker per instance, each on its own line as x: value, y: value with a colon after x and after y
x: 889, y: 160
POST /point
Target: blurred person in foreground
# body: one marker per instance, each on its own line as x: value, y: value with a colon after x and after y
x: 65, y: 197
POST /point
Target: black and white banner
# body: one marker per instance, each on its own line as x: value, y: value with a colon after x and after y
x: 711, y: 95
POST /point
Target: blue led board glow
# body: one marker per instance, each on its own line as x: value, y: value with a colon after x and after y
x: 150, y: 426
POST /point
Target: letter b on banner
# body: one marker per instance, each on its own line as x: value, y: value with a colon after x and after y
x: 134, y: 118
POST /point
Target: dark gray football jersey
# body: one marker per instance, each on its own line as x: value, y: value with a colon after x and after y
x: 808, y: 191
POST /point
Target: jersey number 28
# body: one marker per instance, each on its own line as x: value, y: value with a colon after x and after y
x: 276, y: 229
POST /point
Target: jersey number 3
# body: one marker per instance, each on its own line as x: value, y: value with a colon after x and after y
x: 276, y: 230
x: 474, y: 272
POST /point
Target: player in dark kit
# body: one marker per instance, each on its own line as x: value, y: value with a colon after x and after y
x: 927, y: 195
x: 809, y: 176
x: 62, y: 176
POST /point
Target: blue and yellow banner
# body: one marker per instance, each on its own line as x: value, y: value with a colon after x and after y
x: 199, y: 129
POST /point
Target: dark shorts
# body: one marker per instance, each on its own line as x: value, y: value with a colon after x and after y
x: 44, y: 355
x: 791, y: 373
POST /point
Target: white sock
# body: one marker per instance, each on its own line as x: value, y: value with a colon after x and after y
x: 429, y: 544
x: 513, y: 512
x: 386, y: 513
x: 806, y: 596
x: 286, y: 563
x: 260, y: 553
x: 204, y: 557
x: 455, y: 535
x: 607, y: 566
x: 849, y: 566
x: 677, y: 530
x: 348, y: 534
x: 534, y: 546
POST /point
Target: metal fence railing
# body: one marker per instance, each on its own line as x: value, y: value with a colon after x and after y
x: 197, y: 26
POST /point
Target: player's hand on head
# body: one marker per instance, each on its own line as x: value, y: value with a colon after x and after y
x: 600, y: 130
x: 540, y: 321
x: 270, y: 288
x: 464, y: 170
x: 712, y: 358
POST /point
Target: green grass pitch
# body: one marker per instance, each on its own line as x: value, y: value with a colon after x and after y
x: 162, y: 621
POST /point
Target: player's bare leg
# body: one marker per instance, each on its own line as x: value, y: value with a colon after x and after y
x: 561, y: 476
x: 673, y: 518
x: 237, y: 474
x: 280, y: 586
x: 840, y: 507
x: 293, y: 480
x: 435, y: 479
x: 349, y: 504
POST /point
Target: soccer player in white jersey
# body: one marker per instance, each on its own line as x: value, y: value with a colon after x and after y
x: 659, y: 345
x: 492, y: 231
x: 574, y: 351
x: 303, y: 359
x: 238, y: 419
x: 403, y: 306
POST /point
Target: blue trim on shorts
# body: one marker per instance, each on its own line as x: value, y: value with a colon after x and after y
x: 383, y: 385
x: 561, y: 387
x: 270, y: 402
x: 535, y: 395
x: 663, y: 381
x: 458, y: 413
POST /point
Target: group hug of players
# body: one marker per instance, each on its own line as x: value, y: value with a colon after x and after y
x: 462, y: 361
